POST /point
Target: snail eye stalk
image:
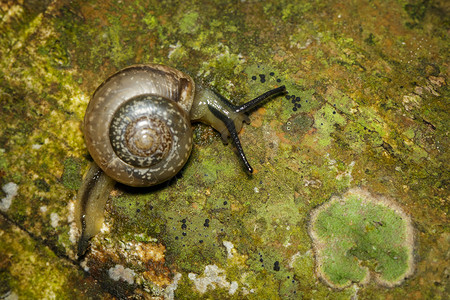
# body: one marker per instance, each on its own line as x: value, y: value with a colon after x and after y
x: 246, y: 107
x: 242, y: 109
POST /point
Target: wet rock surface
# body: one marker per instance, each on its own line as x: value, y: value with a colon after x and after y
x: 367, y: 107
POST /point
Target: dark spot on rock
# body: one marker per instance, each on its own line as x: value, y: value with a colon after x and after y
x: 225, y: 202
x: 272, y: 73
x: 183, y: 226
x: 261, y: 260
x: 42, y: 185
x: 278, y: 80
x: 184, y: 233
x: 262, y: 77
x: 334, y: 112
x: 138, y: 210
x: 276, y: 266
x: 201, y: 241
x: 176, y: 237
x: 253, y: 77
x: 370, y: 40
x: 183, y: 221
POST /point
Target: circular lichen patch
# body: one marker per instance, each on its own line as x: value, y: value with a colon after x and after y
x: 358, y: 235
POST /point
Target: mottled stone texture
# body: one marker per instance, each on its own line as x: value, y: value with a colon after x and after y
x: 367, y: 107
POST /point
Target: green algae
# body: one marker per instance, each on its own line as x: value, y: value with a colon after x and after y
x: 193, y: 240
x: 26, y: 262
x: 303, y: 265
x: 71, y: 177
x: 357, y: 234
x: 189, y: 22
x: 326, y: 119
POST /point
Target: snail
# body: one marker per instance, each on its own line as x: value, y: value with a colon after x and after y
x: 137, y: 128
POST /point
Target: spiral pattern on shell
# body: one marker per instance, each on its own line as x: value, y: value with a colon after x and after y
x: 137, y: 126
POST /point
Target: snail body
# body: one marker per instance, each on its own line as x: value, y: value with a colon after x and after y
x: 137, y: 129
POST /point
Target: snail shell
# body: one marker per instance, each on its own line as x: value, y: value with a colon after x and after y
x: 137, y: 127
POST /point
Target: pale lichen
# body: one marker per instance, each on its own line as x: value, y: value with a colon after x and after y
x: 357, y: 235
x: 120, y: 272
x: 10, y: 190
x: 213, y: 277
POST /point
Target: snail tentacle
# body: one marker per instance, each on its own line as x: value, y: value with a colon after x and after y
x: 234, y: 137
x: 248, y: 106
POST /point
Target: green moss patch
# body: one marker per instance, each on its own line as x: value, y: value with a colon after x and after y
x: 357, y: 235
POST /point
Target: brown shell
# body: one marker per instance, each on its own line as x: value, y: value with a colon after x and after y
x: 143, y: 82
